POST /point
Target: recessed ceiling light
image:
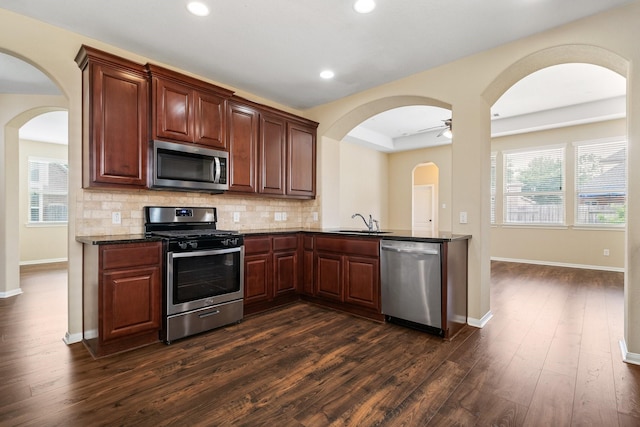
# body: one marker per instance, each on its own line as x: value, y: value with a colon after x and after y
x: 327, y: 74
x: 197, y: 8
x: 364, y: 6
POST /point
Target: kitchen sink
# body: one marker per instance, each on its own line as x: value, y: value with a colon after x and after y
x: 363, y: 231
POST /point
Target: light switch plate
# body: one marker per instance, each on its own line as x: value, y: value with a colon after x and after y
x: 116, y: 218
x: 463, y: 217
x: 277, y: 216
x: 236, y: 217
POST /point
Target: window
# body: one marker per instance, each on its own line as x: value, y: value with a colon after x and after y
x: 493, y: 187
x: 48, y: 182
x: 601, y: 189
x: 534, y: 186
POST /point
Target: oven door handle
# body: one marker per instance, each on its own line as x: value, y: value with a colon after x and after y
x: 211, y: 313
x: 204, y: 252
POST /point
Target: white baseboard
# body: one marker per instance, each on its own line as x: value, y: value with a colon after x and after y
x: 560, y: 264
x: 90, y: 334
x: 480, y: 323
x: 43, y: 261
x: 11, y: 293
x: 72, y: 338
x: 633, y: 358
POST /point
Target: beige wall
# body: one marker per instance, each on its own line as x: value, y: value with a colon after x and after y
x: 363, y: 185
x: 559, y: 245
x: 39, y: 243
x: 468, y: 86
x: 401, y: 169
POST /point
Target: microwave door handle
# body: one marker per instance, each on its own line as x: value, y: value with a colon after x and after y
x: 216, y: 162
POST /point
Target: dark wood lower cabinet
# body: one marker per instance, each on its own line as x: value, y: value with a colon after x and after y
x: 272, y: 274
x: 347, y: 274
x: 339, y: 272
x: 122, y: 296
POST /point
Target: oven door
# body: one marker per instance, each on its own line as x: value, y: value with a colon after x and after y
x: 203, y: 278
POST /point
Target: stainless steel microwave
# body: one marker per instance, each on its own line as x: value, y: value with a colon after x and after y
x: 188, y: 167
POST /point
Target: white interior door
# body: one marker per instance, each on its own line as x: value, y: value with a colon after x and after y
x: 423, y: 218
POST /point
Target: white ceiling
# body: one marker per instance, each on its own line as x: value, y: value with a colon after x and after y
x: 276, y: 49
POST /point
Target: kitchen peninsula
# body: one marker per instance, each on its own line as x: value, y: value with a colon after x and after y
x: 337, y: 269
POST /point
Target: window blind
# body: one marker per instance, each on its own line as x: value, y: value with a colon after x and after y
x: 48, y: 190
x: 534, y: 186
x: 601, y: 183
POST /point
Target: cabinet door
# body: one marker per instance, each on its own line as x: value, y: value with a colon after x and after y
x: 242, y: 137
x: 285, y: 272
x: 117, y: 133
x: 131, y: 302
x: 306, y: 276
x: 329, y: 276
x: 257, y: 278
x: 209, y: 124
x: 272, y: 154
x: 362, y: 281
x: 301, y: 161
x: 174, y: 115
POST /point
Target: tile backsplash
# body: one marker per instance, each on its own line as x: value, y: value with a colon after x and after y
x: 94, y: 209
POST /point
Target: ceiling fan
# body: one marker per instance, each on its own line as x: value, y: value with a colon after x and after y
x: 446, y: 126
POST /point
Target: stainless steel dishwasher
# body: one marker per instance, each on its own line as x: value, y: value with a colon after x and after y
x: 411, y: 284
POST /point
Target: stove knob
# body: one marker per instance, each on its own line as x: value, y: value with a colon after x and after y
x: 183, y: 245
x: 225, y: 242
x: 193, y: 244
x: 234, y: 241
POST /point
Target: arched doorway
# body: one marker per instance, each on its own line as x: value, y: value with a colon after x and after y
x: 19, y: 104
x: 601, y: 57
x: 396, y: 205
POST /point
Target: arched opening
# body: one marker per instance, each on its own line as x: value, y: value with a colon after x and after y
x: 376, y: 172
x: 578, y: 241
x: 29, y: 239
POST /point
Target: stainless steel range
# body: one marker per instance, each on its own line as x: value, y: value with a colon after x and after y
x: 204, y: 270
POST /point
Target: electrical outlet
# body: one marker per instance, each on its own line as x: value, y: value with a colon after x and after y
x: 116, y: 218
x: 605, y: 252
x: 277, y: 216
x: 463, y: 217
x: 236, y: 217
x: 315, y: 216
x: 284, y: 216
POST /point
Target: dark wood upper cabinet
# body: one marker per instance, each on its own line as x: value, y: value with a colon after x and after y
x: 114, y: 120
x: 125, y: 105
x: 273, y: 154
x: 301, y: 160
x: 242, y: 141
x: 185, y: 109
x: 280, y: 149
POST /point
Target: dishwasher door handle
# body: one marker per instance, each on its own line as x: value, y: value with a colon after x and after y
x: 411, y: 251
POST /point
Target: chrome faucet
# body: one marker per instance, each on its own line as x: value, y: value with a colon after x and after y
x: 368, y: 224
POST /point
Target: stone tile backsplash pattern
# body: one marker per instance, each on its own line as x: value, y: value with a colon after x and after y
x: 94, y: 208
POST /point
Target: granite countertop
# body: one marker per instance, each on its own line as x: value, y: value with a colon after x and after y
x: 417, y: 236
x: 119, y: 238
x: 386, y: 234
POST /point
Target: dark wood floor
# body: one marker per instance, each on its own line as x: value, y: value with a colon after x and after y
x: 549, y: 357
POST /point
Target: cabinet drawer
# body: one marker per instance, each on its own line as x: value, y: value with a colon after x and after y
x: 131, y: 255
x: 257, y: 245
x: 363, y: 247
x: 282, y: 243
